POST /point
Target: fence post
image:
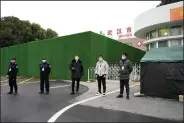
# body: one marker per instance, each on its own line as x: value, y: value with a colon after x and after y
x: 88, y: 76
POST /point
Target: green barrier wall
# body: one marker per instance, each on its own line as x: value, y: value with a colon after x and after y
x: 60, y: 51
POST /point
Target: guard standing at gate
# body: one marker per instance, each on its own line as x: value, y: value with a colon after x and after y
x: 12, y: 74
x: 45, y: 70
x: 101, y: 71
x: 125, y: 70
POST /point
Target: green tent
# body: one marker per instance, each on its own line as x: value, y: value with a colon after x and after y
x: 165, y: 54
x: 162, y: 72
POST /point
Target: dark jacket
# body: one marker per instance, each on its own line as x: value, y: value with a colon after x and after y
x: 12, y: 70
x: 127, y: 69
x: 77, y: 69
x: 45, y: 69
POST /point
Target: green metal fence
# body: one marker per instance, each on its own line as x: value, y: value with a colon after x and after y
x: 60, y: 51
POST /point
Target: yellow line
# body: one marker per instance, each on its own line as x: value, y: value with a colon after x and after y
x: 25, y: 80
x: 4, y: 81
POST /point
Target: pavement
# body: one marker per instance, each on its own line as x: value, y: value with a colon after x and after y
x: 60, y: 106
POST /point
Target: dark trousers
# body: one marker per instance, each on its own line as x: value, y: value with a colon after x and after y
x: 44, y: 79
x: 101, y: 81
x: 126, y: 84
x: 13, y: 83
x: 73, y: 84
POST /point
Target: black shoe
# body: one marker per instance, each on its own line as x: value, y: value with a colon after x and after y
x: 41, y: 92
x: 127, y: 97
x: 119, y: 96
x: 47, y: 92
x: 15, y: 93
x: 77, y: 92
x: 10, y: 92
x: 72, y: 93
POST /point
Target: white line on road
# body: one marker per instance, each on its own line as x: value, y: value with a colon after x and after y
x: 59, y: 86
x: 59, y: 113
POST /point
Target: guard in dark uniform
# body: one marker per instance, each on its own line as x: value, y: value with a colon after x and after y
x: 45, y: 70
x: 12, y: 74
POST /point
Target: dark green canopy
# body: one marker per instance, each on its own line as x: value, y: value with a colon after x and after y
x: 164, y: 54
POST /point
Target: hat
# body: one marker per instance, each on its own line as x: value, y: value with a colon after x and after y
x: 13, y: 58
x: 44, y: 58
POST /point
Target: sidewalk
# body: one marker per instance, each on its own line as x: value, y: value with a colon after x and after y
x: 156, y: 107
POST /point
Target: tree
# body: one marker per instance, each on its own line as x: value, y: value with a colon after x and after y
x: 50, y: 33
x: 165, y: 2
x: 15, y: 31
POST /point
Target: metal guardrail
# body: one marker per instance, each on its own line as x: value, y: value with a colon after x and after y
x: 113, y: 72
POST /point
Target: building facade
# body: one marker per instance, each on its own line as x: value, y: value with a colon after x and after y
x: 134, y: 42
x: 161, y: 26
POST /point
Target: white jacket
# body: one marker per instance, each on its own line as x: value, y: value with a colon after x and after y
x: 101, y: 68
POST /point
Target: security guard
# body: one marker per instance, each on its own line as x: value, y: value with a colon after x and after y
x: 125, y: 71
x: 45, y: 70
x: 12, y: 74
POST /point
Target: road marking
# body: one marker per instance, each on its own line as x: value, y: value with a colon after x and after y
x: 26, y: 83
x: 7, y: 79
x: 59, y: 86
x: 25, y: 80
x: 4, y: 81
x: 59, y: 113
x: 19, y: 82
x: 55, y: 87
x: 38, y: 81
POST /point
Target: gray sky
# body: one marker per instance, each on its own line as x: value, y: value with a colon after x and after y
x: 68, y: 17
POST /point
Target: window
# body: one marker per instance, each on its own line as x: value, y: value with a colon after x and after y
x: 163, y: 44
x: 152, y: 45
x: 176, y: 30
x: 153, y: 34
x: 147, y: 36
x: 176, y: 42
x: 163, y: 32
x: 147, y: 47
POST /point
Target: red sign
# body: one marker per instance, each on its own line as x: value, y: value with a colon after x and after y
x: 109, y: 32
x: 129, y: 30
x: 139, y: 43
x: 119, y: 31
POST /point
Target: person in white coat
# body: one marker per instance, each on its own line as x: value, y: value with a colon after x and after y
x: 101, y: 70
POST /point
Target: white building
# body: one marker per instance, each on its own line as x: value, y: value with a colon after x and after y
x: 161, y: 26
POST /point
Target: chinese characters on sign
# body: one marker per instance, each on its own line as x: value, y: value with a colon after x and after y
x: 119, y: 33
x: 128, y: 34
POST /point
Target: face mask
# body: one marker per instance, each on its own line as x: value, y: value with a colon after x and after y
x: 43, y: 61
x: 12, y: 61
x: 76, y: 58
x: 100, y: 59
x: 123, y: 57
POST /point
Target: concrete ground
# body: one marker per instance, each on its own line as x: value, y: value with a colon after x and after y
x: 30, y: 106
x: 60, y: 106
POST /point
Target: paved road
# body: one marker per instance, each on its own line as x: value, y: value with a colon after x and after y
x: 83, y: 113
x: 29, y: 106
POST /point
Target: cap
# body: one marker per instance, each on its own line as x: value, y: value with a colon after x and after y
x: 44, y: 58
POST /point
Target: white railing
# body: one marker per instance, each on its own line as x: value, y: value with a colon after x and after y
x: 113, y: 72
